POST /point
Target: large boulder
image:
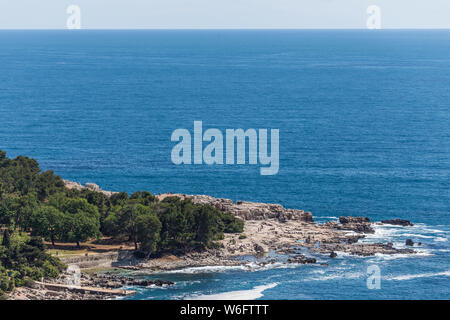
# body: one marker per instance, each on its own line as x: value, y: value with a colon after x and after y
x: 260, y: 249
x: 302, y: 259
x: 349, y: 219
x: 356, y: 224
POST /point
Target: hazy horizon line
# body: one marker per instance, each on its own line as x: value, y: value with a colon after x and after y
x: 218, y: 28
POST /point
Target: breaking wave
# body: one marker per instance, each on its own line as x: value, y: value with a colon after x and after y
x: 252, y: 294
x: 420, y: 275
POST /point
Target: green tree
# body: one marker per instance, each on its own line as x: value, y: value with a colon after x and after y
x: 26, y: 258
x: 48, y: 222
x: 80, y: 226
x: 148, y: 228
x: 111, y: 224
x: 6, y: 241
x: 121, y: 221
x: 31, y: 200
x: 81, y: 219
x: 231, y: 224
x: 47, y: 184
x: 24, y: 206
x: 119, y: 198
x: 143, y: 197
x: 7, y: 212
x: 205, y: 225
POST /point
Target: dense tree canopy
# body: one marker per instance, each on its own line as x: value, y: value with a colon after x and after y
x: 22, y: 258
x: 36, y: 203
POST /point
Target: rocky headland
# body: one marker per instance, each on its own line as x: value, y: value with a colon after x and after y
x: 271, y: 227
x: 290, y: 233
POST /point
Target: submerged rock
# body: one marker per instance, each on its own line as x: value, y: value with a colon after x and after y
x: 365, y: 250
x: 116, y: 281
x: 301, y: 259
x: 398, y: 222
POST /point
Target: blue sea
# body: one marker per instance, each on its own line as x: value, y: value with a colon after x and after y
x: 364, y: 120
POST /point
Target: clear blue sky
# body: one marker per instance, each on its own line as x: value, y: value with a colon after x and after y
x: 120, y: 14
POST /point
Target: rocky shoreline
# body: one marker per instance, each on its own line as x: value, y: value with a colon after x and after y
x: 271, y: 227
x: 108, y: 280
x: 290, y: 234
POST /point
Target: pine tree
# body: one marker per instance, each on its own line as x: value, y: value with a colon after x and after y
x: 6, y: 242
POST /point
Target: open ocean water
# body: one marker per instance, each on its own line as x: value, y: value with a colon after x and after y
x: 364, y: 120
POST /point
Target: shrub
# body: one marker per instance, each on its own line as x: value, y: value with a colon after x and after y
x: 50, y: 271
x: 27, y: 282
x: 232, y: 224
x: 3, y: 296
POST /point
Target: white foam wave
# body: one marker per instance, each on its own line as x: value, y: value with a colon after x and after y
x: 252, y: 294
x: 211, y: 269
x: 419, y: 253
x: 416, y: 235
x: 252, y: 266
x: 343, y: 254
x: 394, y: 233
x: 340, y: 275
x: 420, y: 275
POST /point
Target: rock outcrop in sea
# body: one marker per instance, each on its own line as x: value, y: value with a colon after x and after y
x: 356, y: 224
x: 398, y: 222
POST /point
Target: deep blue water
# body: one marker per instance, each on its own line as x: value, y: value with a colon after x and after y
x: 364, y: 120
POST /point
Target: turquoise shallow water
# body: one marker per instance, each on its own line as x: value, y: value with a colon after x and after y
x: 363, y: 116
